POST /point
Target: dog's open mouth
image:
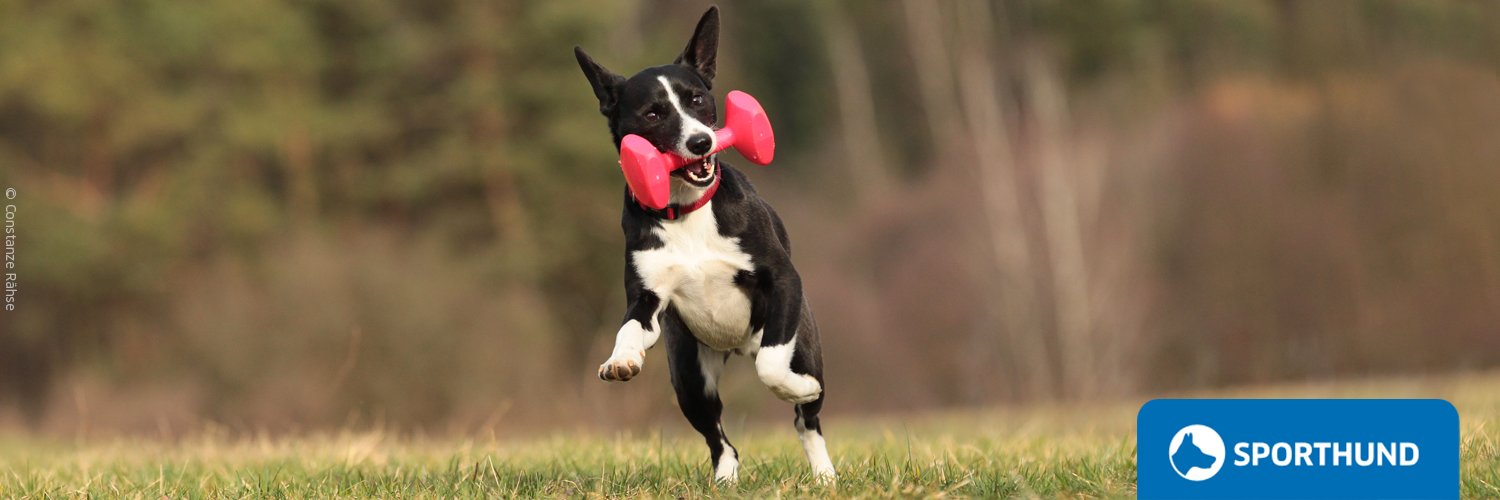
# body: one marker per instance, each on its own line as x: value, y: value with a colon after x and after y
x: 699, y: 172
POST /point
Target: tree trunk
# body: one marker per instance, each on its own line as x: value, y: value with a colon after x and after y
x: 999, y: 184
x: 851, y: 78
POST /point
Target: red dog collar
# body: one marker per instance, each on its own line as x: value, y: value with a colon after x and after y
x: 675, y: 211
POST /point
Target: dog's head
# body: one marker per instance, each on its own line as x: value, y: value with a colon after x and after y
x: 669, y: 105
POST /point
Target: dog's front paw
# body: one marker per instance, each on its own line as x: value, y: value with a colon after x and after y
x: 798, y: 389
x: 620, y: 368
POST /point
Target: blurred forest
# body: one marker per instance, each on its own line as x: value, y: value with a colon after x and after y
x: 297, y: 215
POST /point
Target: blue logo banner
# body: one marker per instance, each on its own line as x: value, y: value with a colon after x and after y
x: 1297, y: 448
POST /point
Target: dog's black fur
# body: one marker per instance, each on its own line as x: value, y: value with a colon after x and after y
x: 777, y: 310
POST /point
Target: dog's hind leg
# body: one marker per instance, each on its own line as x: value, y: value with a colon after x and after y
x: 810, y: 432
x: 695, y: 376
x: 793, y: 369
x: 808, y: 359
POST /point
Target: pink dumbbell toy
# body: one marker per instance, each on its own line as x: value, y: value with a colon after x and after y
x: 746, y: 129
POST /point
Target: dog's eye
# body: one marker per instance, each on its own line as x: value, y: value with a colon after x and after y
x: 698, y: 100
x: 651, y: 116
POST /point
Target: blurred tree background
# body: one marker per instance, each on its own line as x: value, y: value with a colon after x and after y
x: 290, y: 215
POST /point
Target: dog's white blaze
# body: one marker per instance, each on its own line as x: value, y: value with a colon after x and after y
x: 817, y: 452
x: 728, y: 470
x: 689, y: 125
x: 694, y: 270
x: 774, y: 366
x: 684, y: 192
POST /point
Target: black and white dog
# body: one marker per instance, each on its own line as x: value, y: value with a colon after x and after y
x: 712, y: 273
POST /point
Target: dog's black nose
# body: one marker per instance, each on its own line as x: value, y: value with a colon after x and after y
x: 699, y: 144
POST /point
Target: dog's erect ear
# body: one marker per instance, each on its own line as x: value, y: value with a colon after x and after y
x: 606, y: 84
x: 704, y: 47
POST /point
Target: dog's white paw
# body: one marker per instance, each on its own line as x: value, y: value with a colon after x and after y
x: 797, y: 388
x: 621, y: 368
x: 826, y: 477
x: 728, y: 471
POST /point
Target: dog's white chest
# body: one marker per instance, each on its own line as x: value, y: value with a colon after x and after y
x: 694, y: 270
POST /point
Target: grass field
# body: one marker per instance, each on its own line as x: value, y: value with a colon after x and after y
x: 1076, y: 450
